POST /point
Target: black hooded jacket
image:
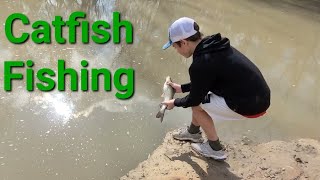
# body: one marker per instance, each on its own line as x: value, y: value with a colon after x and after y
x: 221, y: 69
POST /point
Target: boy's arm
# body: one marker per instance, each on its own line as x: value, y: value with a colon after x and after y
x: 186, y: 87
x: 199, y: 88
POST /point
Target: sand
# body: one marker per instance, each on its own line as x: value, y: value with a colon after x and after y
x: 175, y: 160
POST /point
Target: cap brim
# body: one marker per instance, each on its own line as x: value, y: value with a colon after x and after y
x: 167, y: 45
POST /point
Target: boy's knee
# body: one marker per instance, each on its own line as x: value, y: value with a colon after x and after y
x: 196, y: 109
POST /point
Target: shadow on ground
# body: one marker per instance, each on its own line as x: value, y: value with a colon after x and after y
x: 214, y: 170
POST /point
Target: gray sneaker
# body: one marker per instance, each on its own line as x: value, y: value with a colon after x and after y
x: 205, y: 150
x: 184, y: 135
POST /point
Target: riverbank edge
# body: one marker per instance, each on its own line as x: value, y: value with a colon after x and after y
x: 175, y: 160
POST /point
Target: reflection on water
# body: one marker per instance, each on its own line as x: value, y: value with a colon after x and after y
x: 56, y: 105
x: 86, y: 135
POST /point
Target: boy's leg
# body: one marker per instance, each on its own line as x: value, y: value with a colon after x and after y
x: 212, y: 148
x: 201, y: 118
x: 194, y: 126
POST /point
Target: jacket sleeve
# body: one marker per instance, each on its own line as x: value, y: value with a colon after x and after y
x: 186, y: 87
x: 199, y: 87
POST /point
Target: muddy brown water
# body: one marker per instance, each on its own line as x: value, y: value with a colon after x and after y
x: 93, y: 135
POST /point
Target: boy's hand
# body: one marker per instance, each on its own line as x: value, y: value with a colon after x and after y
x: 175, y: 86
x: 170, y: 104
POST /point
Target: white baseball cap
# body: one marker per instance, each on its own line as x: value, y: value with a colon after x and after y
x: 179, y: 30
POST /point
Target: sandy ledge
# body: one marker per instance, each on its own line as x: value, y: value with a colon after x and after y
x: 174, y: 160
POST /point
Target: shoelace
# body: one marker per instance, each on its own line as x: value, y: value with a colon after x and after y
x: 182, y: 129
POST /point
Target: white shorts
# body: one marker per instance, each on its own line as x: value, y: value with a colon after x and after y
x: 218, y: 110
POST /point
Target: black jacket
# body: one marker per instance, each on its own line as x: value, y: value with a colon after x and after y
x: 221, y: 69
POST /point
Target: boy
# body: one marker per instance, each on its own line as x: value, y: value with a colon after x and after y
x: 224, y: 85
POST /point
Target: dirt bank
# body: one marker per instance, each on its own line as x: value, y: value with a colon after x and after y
x: 174, y: 160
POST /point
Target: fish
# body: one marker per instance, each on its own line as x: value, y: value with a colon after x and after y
x: 168, y: 93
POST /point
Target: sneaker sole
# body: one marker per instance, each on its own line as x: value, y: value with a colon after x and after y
x: 221, y: 159
x: 189, y: 139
